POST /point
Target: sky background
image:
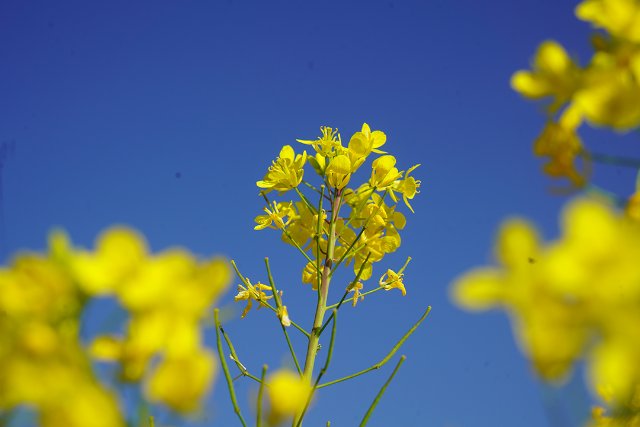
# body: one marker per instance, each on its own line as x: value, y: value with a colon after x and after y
x: 163, y: 114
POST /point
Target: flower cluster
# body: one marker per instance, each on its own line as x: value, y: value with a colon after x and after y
x: 578, y: 295
x: 42, y: 361
x: 370, y: 230
x: 606, y: 92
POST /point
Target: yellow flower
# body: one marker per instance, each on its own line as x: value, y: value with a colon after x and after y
x: 364, y: 143
x: 339, y: 171
x: 252, y: 293
x: 384, y: 172
x: 554, y: 74
x: 327, y: 143
x: 310, y: 275
x: 392, y: 280
x: 408, y: 187
x: 621, y: 18
x: 285, y: 172
x: 356, y: 289
x: 274, y: 217
x: 287, y: 393
x: 283, y: 315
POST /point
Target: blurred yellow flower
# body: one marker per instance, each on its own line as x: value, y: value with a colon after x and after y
x: 287, y: 393
x: 621, y: 18
x: 554, y: 74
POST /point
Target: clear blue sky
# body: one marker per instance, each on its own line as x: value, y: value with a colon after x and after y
x: 163, y: 114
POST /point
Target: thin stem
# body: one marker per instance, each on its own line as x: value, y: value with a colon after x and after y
x: 319, y: 227
x: 264, y: 303
x: 259, y: 403
x: 225, y: 368
x: 360, y: 270
x: 329, y: 307
x: 381, y: 392
x: 324, y: 369
x: 305, y: 201
x: 234, y: 356
x: 387, y: 357
x: 276, y: 296
x: 323, y: 292
x: 152, y: 422
x: 628, y: 162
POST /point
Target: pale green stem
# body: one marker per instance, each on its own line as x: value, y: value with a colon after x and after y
x: 346, y: 293
x: 259, y: 402
x: 381, y: 392
x: 152, y: 422
x: 319, y: 228
x: 264, y: 303
x: 323, y: 291
x: 324, y: 369
x: 386, y: 358
x: 234, y: 356
x: 628, y: 162
x: 279, y: 305
x: 225, y: 368
x: 329, y: 307
x: 305, y: 201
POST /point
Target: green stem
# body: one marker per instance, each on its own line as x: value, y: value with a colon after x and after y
x: 346, y: 293
x: 381, y: 392
x: 305, y: 201
x: 152, y: 422
x: 259, y: 403
x: 329, y: 307
x: 225, y: 368
x: 245, y: 282
x: 324, y: 369
x: 387, y: 357
x: 323, y: 292
x: 234, y: 356
x: 279, y: 305
x: 628, y: 162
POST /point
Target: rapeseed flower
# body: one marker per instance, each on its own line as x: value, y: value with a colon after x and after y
x: 286, y: 172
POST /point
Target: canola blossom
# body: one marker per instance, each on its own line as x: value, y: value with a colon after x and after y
x: 331, y: 223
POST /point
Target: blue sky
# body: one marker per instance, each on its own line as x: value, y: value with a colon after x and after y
x: 162, y: 115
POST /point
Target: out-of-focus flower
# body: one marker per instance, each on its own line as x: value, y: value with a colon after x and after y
x: 621, y: 18
x: 287, y: 393
x: 554, y: 74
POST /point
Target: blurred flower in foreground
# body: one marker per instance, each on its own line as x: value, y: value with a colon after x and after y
x: 576, y: 297
x: 287, y: 394
x: 42, y: 361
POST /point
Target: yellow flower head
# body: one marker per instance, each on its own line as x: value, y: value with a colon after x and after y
x: 285, y: 172
x: 392, y: 280
x: 274, y: 217
x: 408, y: 187
x: 339, y: 171
x: 252, y: 293
x: 384, y: 172
x: 327, y: 143
x: 364, y: 143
